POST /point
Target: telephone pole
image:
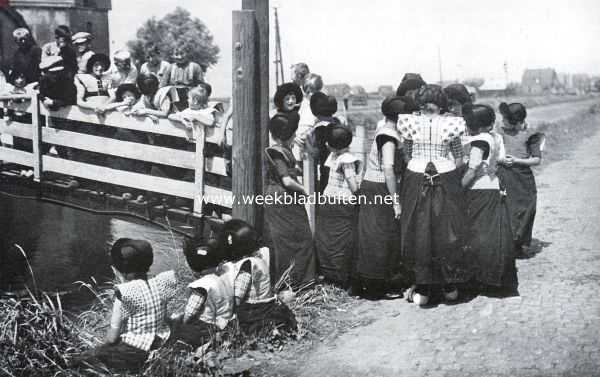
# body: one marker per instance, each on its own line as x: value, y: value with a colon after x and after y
x: 279, y: 77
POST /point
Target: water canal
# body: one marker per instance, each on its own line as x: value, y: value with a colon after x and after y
x: 65, y: 245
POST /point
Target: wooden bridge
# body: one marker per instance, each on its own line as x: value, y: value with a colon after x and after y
x: 211, y: 185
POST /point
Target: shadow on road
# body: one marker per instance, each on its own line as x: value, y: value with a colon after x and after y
x: 537, y: 246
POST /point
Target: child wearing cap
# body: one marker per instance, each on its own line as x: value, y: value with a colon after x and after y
x: 57, y: 89
x: 139, y: 309
x: 323, y: 107
x: 336, y: 222
x: 378, y: 231
x: 27, y: 56
x: 489, y: 235
x: 82, y: 42
x: 288, y: 223
x: 524, y: 149
x: 62, y: 46
x: 235, y: 283
x: 432, y: 212
x: 122, y: 72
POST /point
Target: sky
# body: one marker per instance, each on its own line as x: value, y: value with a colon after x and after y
x: 374, y: 42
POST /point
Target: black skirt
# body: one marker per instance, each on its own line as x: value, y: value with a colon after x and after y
x: 490, y: 238
x: 253, y: 318
x: 378, y: 235
x: 335, y: 241
x: 433, y: 228
x: 521, y: 191
x: 291, y: 239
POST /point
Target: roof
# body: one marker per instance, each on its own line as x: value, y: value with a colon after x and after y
x: 96, y: 4
x: 493, y: 84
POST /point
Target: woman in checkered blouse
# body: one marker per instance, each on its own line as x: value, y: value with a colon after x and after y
x: 432, y: 214
x: 139, y: 310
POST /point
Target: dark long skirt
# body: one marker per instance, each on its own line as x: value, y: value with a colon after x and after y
x: 253, y: 318
x: 433, y: 229
x: 292, y: 241
x: 521, y: 192
x: 336, y: 240
x: 120, y: 357
x: 195, y: 333
x: 378, y: 235
x: 490, y: 238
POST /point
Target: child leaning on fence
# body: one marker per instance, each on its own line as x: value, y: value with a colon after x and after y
x: 198, y: 112
x: 139, y: 309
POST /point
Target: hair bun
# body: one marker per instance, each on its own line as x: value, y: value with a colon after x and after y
x: 503, y: 108
x: 467, y: 108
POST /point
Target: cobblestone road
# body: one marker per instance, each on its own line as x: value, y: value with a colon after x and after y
x: 552, y: 329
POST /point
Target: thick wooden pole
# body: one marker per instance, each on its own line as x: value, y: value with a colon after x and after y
x: 36, y: 140
x: 246, y: 171
x: 261, y: 13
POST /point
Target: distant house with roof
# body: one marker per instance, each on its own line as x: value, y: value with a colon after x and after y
x: 538, y: 81
x: 493, y: 88
x: 338, y: 90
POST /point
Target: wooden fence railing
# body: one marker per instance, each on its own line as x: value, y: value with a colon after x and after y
x: 41, y: 131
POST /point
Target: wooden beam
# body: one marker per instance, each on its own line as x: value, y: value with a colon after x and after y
x: 261, y: 13
x: 246, y: 147
x: 126, y: 149
x: 139, y: 181
x: 36, y: 139
x: 199, y: 171
x: 16, y: 156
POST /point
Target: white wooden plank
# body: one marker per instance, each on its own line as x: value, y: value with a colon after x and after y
x: 135, y: 180
x: 16, y: 156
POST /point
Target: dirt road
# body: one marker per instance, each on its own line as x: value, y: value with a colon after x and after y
x: 552, y: 329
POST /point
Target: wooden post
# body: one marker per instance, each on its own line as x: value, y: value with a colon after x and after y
x: 308, y: 178
x: 246, y: 172
x: 199, y: 170
x: 261, y: 13
x: 36, y: 139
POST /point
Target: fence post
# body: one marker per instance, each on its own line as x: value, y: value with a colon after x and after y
x: 36, y: 140
x: 199, y: 170
x: 246, y: 172
x: 363, y: 142
x: 308, y: 178
x: 261, y: 9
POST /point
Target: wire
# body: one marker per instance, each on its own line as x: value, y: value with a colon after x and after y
x: 95, y: 211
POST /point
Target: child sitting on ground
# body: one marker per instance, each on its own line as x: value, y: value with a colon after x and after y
x: 239, y: 287
x: 139, y: 309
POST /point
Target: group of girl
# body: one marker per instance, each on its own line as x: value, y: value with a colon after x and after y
x: 460, y: 192
x: 234, y: 283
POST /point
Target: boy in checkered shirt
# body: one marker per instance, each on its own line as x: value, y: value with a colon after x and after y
x: 139, y: 309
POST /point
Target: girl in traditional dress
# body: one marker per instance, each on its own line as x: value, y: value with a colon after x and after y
x: 235, y: 282
x: 378, y: 228
x: 323, y: 108
x: 288, y: 97
x: 288, y: 222
x: 93, y: 87
x: 184, y: 74
x: 336, y: 223
x: 523, y: 150
x: 490, y: 235
x: 139, y: 309
x: 432, y: 216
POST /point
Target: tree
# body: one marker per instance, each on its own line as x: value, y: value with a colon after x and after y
x: 475, y: 82
x: 176, y: 29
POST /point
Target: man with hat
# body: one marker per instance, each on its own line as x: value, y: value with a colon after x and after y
x: 28, y: 55
x: 122, y: 72
x: 62, y: 46
x: 83, y: 45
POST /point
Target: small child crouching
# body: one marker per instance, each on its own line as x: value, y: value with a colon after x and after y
x: 139, y: 310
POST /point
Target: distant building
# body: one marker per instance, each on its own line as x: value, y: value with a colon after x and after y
x: 338, y: 90
x: 493, y: 88
x: 538, y: 81
x: 42, y: 17
x: 386, y: 90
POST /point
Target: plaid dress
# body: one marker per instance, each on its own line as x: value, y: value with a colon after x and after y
x: 145, y: 308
